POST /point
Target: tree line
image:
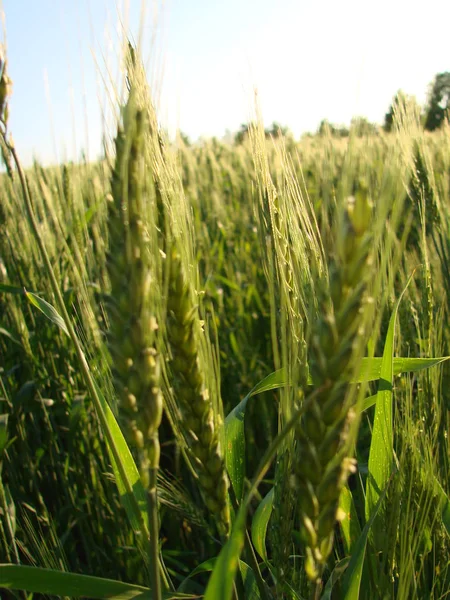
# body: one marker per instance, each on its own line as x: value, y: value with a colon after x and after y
x: 432, y: 115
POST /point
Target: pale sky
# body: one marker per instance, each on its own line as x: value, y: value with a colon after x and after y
x: 309, y: 60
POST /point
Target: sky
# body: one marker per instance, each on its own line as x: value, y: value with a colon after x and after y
x: 308, y: 59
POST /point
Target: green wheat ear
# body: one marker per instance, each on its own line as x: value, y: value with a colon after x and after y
x: 337, y: 335
x: 188, y: 366
x: 133, y: 305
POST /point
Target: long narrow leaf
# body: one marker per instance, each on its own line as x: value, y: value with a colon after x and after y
x: 336, y: 574
x: 370, y: 369
x: 58, y: 583
x: 135, y: 503
x: 48, y: 310
x: 260, y: 522
x: 381, y: 447
x: 350, y: 527
x: 353, y: 574
x: 248, y: 577
x: 445, y: 506
x: 221, y: 582
x: 234, y: 431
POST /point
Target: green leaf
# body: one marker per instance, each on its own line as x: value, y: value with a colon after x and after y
x: 445, y: 506
x: 336, y: 574
x: 48, y: 310
x: 231, y: 284
x: 3, y: 432
x: 220, y: 584
x: 250, y: 585
x: 381, y: 448
x: 234, y: 431
x: 204, y: 567
x: 275, y: 380
x: 11, y: 508
x: 260, y: 522
x: 368, y: 402
x: 7, y: 334
x: 350, y: 527
x: 371, y: 367
x: 135, y: 503
x: 353, y: 573
x: 58, y: 583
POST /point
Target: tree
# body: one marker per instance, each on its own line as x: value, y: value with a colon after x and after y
x: 438, y: 101
x: 242, y: 134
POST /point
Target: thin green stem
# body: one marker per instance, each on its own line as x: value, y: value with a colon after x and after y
x: 10, y: 541
x: 9, y: 529
x: 316, y: 590
x: 153, y: 522
x: 253, y: 561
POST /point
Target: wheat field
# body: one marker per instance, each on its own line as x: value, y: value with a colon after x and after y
x: 224, y: 367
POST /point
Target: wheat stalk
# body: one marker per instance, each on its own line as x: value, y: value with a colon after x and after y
x: 336, y: 338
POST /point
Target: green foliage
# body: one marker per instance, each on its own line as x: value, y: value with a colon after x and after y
x: 438, y: 101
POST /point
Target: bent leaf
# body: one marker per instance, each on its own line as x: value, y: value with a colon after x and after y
x: 370, y: 369
x: 234, y: 431
x: 445, y: 506
x: 336, y: 574
x: 381, y: 448
x: 353, y: 574
x: 220, y: 584
x: 260, y: 522
x: 58, y: 583
x: 48, y: 310
x: 350, y: 527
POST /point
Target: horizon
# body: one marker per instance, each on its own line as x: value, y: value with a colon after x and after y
x: 210, y: 58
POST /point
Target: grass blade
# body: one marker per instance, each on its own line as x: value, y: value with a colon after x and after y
x: 49, y: 311
x: 260, y: 522
x: 350, y: 527
x: 336, y: 574
x: 353, y: 574
x: 371, y: 367
x: 445, y: 506
x: 235, y: 435
x: 221, y: 583
x: 127, y: 476
x: 59, y: 583
x: 381, y: 447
